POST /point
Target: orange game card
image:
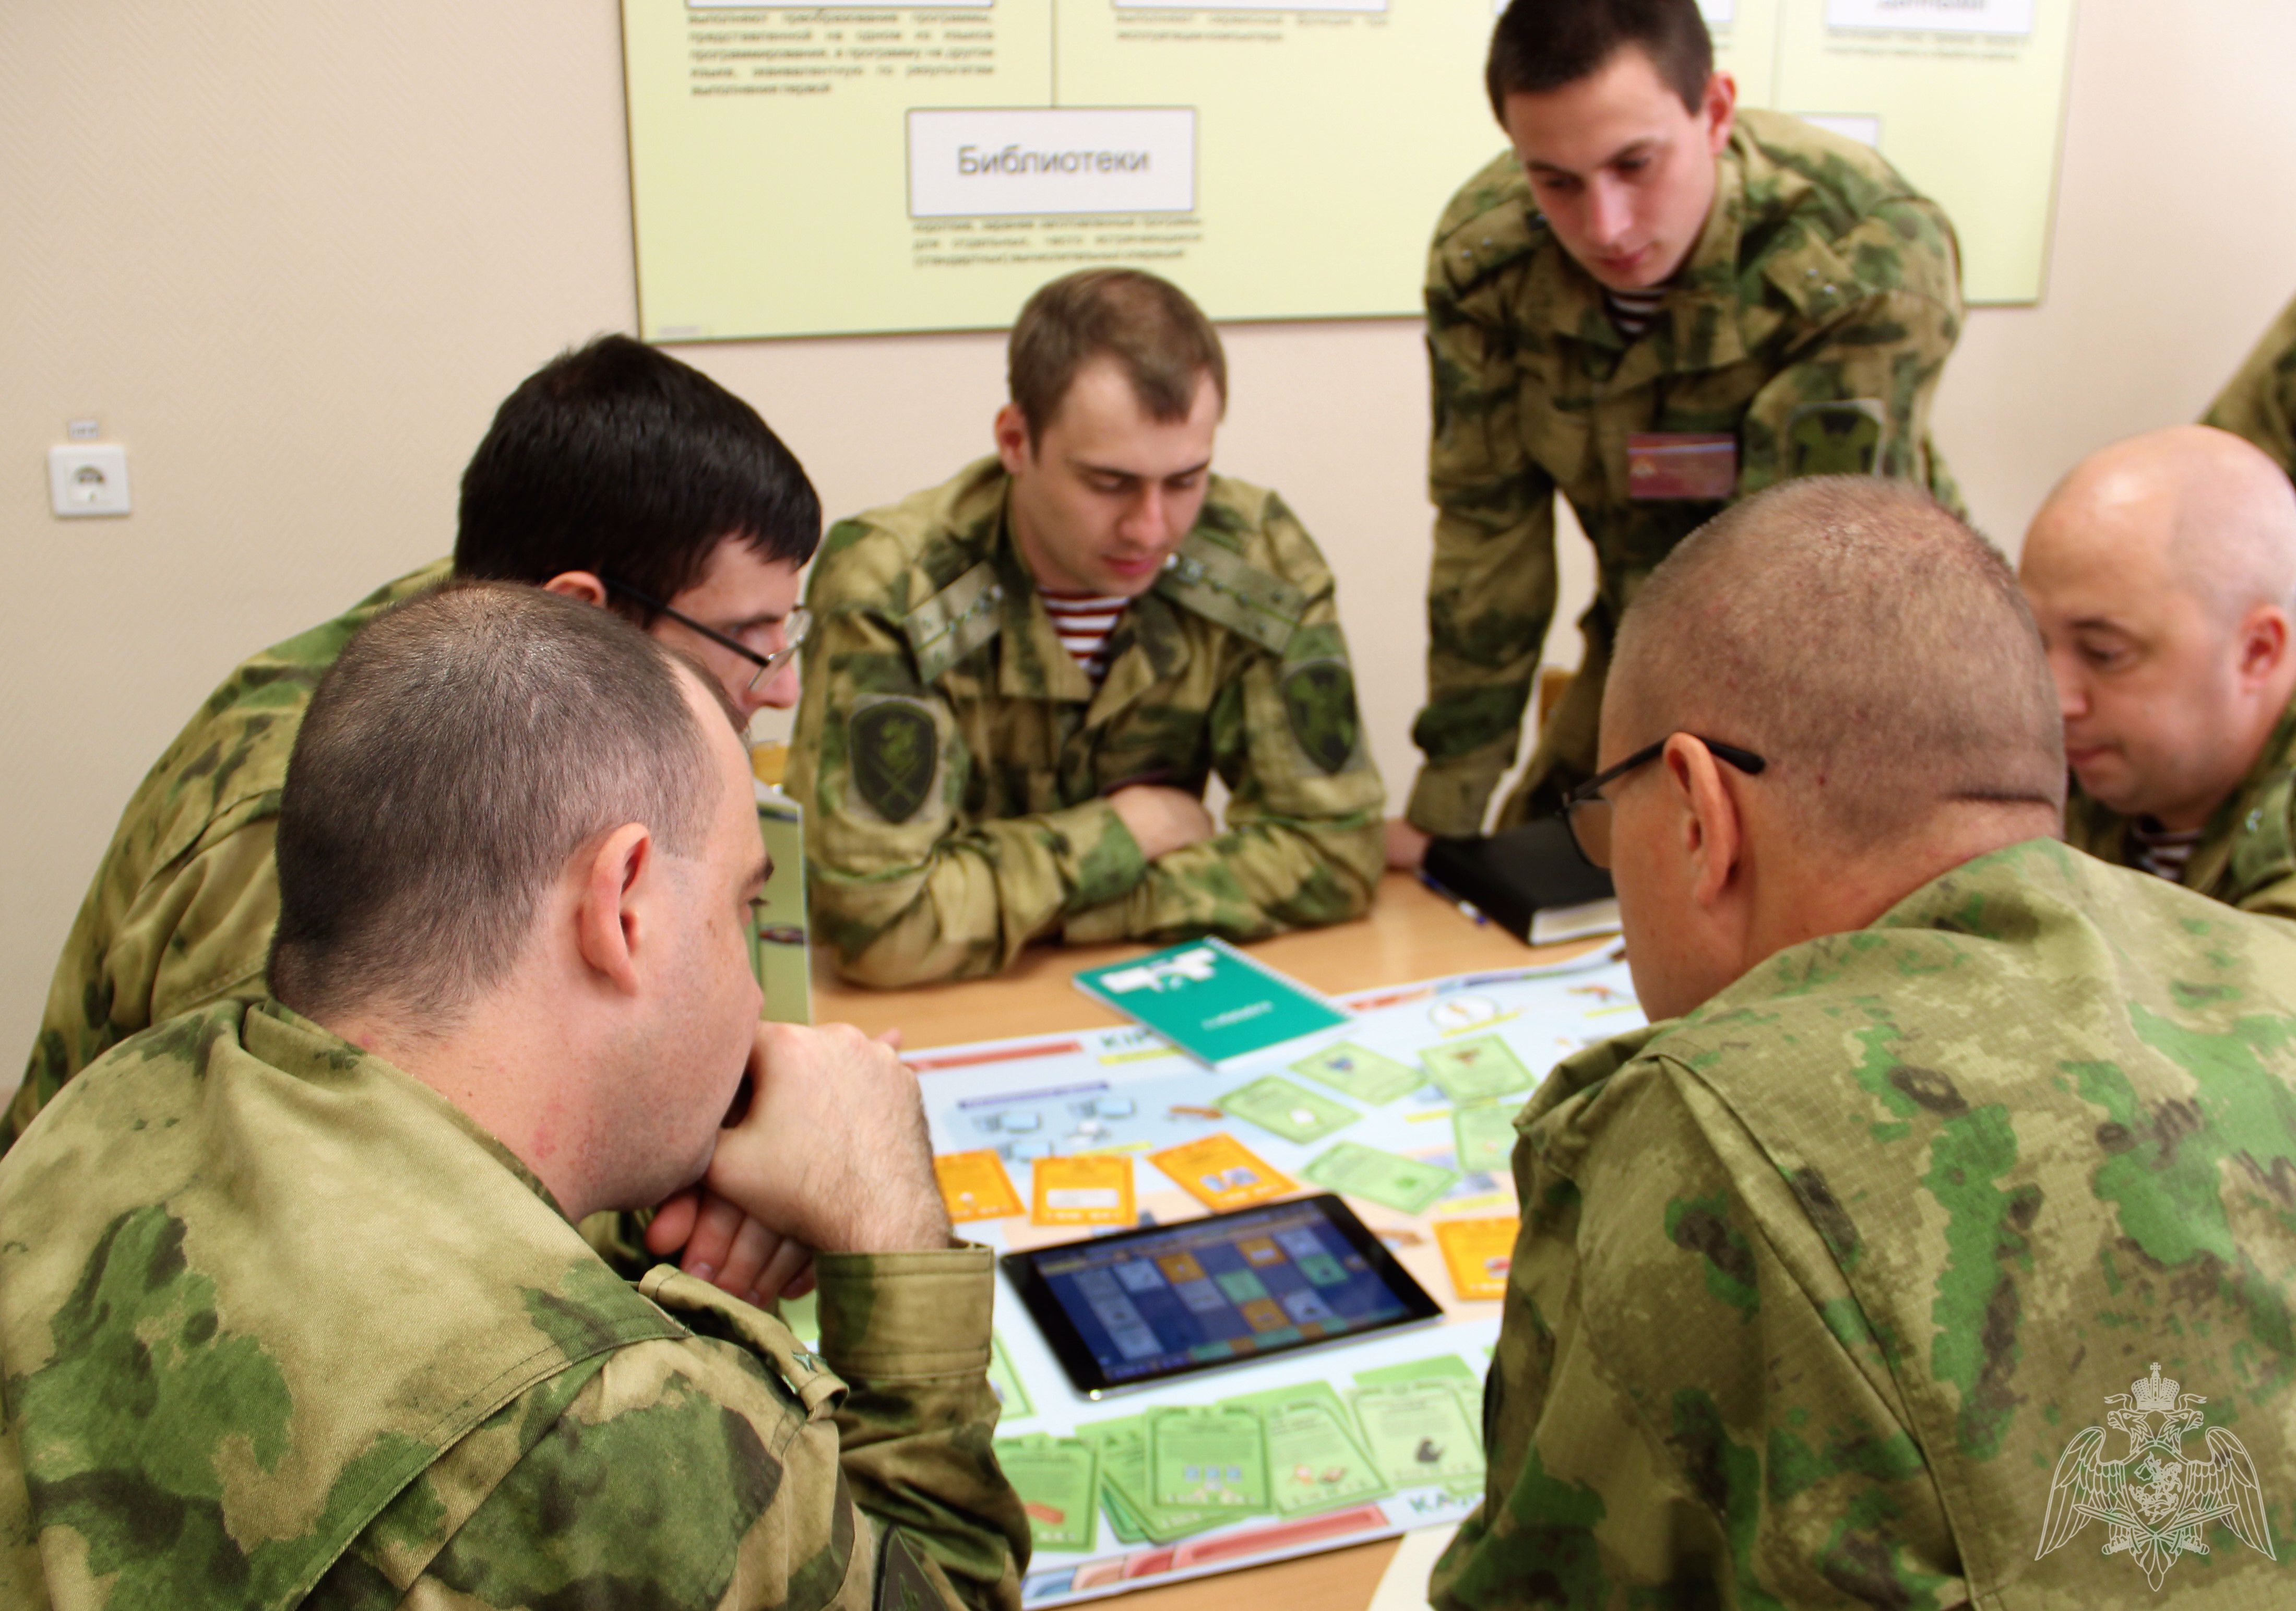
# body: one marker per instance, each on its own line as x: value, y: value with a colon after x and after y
x: 1093, y: 1189
x: 1478, y: 1253
x: 1220, y: 1172
x: 975, y: 1186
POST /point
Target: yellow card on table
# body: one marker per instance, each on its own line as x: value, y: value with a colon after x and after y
x: 1478, y: 1253
x: 975, y: 1186
x: 1093, y: 1189
x: 1220, y: 1172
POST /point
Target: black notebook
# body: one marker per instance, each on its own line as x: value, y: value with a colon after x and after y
x: 1528, y: 880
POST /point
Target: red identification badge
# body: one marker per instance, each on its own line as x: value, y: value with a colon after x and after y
x: 1695, y: 466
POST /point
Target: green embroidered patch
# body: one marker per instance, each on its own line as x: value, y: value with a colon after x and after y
x: 1320, y: 699
x: 1835, y: 438
x: 896, y: 752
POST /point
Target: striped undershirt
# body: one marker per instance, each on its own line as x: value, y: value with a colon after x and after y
x: 1632, y: 311
x: 2163, y: 854
x: 1084, y: 624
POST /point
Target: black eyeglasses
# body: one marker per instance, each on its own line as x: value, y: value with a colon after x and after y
x: 1588, y: 814
x: 795, y: 624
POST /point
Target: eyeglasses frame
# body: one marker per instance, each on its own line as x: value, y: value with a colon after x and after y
x: 1591, y: 791
x: 797, y: 624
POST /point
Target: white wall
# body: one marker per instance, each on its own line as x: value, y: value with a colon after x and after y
x: 293, y: 256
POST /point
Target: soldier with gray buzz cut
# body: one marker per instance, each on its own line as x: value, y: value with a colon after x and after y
x: 1021, y: 681
x: 1932, y: 1246
x: 1655, y: 303
x: 293, y: 1312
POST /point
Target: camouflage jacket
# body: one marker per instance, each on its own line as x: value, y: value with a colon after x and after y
x: 1809, y: 326
x: 952, y: 756
x: 1817, y: 1287
x: 2260, y: 402
x: 181, y: 911
x: 280, y: 1326
x: 2247, y: 853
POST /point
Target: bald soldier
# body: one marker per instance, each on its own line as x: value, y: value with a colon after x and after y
x: 2162, y: 573
x: 292, y: 1308
x: 1023, y: 679
x: 1945, y: 1143
x: 1655, y: 302
x: 2260, y: 402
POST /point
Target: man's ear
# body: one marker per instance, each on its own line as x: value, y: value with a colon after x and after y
x: 1719, y: 111
x: 606, y: 922
x: 1013, y: 445
x: 2263, y: 643
x: 1714, y: 835
x: 585, y: 585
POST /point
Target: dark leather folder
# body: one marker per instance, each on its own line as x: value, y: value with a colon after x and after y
x: 1514, y: 876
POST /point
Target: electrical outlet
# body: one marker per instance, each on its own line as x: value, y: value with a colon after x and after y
x: 88, y: 480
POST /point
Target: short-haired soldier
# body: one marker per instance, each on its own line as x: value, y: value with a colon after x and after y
x: 2162, y: 573
x: 291, y: 1311
x: 2258, y: 403
x: 614, y: 474
x: 1941, y: 1134
x: 1654, y: 303
x: 1022, y: 680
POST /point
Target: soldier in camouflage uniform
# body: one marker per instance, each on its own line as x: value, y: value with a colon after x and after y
x: 615, y: 474
x: 2260, y: 402
x: 1654, y: 304
x: 2163, y: 572
x: 286, y: 1321
x: 973, y: 783
x: 1942, y: 1135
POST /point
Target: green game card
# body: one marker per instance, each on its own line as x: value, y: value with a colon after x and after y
x: 1471, y: 1070
x: 1123, y: 1448
x: 1404, y: 1184
x: 1446, y: 1369
x: 1315, y: 1461
x: 1485, y: 1133
x: 1367, y: 1076
x: 1212, y: 1457
x: 1292, y: 1111
x: 1005, y: 1382
x: 1058, y: 1479
x: 1420, y: 1435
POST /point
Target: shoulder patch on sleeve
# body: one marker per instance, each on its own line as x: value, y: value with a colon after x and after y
x: 1840, y: 437
x: 1228, y: 591
x: 904, y: 1581
x: 2264, y: 844
x: 1319, y: 697
x: 954, y: 621
x: 893, y: 747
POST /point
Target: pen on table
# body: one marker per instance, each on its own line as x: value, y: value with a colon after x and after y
x: 1472, y: 913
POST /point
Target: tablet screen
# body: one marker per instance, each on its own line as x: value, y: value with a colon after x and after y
x: 1147, y: 1305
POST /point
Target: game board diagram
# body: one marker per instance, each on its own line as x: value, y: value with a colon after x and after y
x: 1406, y: 1110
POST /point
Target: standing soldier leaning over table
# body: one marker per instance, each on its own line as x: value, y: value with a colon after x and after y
x: 2260, y: 402
x: 1021, y: 681
x: 1654, y: 304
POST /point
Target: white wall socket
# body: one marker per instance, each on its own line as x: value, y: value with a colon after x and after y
x: 88, y: 480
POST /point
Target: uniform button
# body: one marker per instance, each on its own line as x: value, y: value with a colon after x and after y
x: 2256, y: 819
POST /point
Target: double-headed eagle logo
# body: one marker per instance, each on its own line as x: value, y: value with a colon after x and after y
x: 2154, y: 1501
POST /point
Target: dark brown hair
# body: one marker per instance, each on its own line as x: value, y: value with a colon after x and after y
x: 463, y: 746
x: 1147, y: 324
x: 1540, y: 45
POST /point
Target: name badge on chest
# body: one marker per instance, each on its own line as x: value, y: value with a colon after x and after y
x: 1696, y: 466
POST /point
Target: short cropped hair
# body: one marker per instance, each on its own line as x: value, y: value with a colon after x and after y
x: 1857, y: 634
x: 617, y: 459
x: 1540, y: 45
x: 460, y: 750
x: 1147, y: 324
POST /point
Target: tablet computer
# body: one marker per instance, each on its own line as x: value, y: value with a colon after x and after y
x: 1121, y: 1312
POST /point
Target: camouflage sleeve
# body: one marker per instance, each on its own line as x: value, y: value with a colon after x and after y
x: 2259, y: 401
x: 1491, y: 586
x: 1302, y: 846
x: 197, y: 932
x: 1686, y: 1405
x: 922, y: 896
x: 1854, y: 397
x: 732, y: 1469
